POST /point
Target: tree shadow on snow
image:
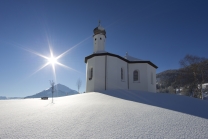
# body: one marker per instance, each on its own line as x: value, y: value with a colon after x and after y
x: 183, y: 104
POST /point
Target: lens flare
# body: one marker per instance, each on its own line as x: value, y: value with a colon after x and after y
x: 52, y: 60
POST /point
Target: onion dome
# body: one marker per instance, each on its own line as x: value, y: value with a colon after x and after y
x: 99, y: 30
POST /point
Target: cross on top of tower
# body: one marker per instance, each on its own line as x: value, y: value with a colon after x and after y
x: 99, y: 23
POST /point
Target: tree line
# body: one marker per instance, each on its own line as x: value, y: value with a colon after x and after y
x: 192, y: 74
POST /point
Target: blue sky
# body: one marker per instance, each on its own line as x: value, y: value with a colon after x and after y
x: 161, y: 31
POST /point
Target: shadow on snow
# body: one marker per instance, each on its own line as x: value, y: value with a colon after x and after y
x: 183, y: 104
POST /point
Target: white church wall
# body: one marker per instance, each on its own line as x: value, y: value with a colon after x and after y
x: 142, y: 83
x: 114, y: 66
x: 97, y: 82
x: 89, y: 83
x: 111, y: 66
x: 151, y: 80
x: 99, y: 72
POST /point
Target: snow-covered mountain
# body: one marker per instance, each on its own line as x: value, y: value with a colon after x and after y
x: 60, y: 90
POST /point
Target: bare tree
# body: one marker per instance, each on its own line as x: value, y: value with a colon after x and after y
x: 190, y: 77
x: 194, y: 73
x: 79, y: 84
x: 52, y: 88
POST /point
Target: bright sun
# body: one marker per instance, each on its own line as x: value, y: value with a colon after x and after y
x: 52, y: 60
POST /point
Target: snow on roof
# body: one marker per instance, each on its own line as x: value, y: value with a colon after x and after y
x: 205, y: 84
x: 130, y: 58
x: 111, y: 114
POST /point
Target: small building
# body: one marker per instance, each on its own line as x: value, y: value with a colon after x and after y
x: 106, y: 71
x: 205, y: 86
x: 44, y: 98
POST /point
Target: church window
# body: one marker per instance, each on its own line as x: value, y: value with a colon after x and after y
x: 95, y: 39
x: 100, y: 38
x: 136, y: 76
x: 91, y: 73
x: 122, y: 74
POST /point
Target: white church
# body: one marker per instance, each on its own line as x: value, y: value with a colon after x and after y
x: 107, y: 71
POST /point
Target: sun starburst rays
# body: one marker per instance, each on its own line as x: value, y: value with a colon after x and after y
x: 67, y: 67
x: 64, y: 53
x: 51, y: 60
x: 40, y: 68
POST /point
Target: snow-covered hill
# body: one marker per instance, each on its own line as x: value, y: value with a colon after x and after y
x: 60, y: 90
x: 110, y: 114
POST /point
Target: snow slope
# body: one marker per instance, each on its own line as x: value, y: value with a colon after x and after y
x: 110, y: 114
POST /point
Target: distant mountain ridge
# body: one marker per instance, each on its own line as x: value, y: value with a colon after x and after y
x: 5, y: 98
x: 166, y: 76
x: 60, y: 90
x: 167, y: 72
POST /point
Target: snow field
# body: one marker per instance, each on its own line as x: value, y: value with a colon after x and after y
x: 97, y: 115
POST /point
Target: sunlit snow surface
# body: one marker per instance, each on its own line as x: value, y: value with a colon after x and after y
x: 96, y: 115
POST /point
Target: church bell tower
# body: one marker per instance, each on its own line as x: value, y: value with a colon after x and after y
x: 99, y: 39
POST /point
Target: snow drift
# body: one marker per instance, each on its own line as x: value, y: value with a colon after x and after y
x: 110, y: 114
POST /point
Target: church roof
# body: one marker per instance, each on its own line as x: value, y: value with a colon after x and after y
x: 122, y: 58
x: 99, y: 30
x: 130, y: 58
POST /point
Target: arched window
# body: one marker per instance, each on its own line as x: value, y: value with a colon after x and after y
x: 136, y: 75
x: 122, y: 74
x: 91, y: 74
